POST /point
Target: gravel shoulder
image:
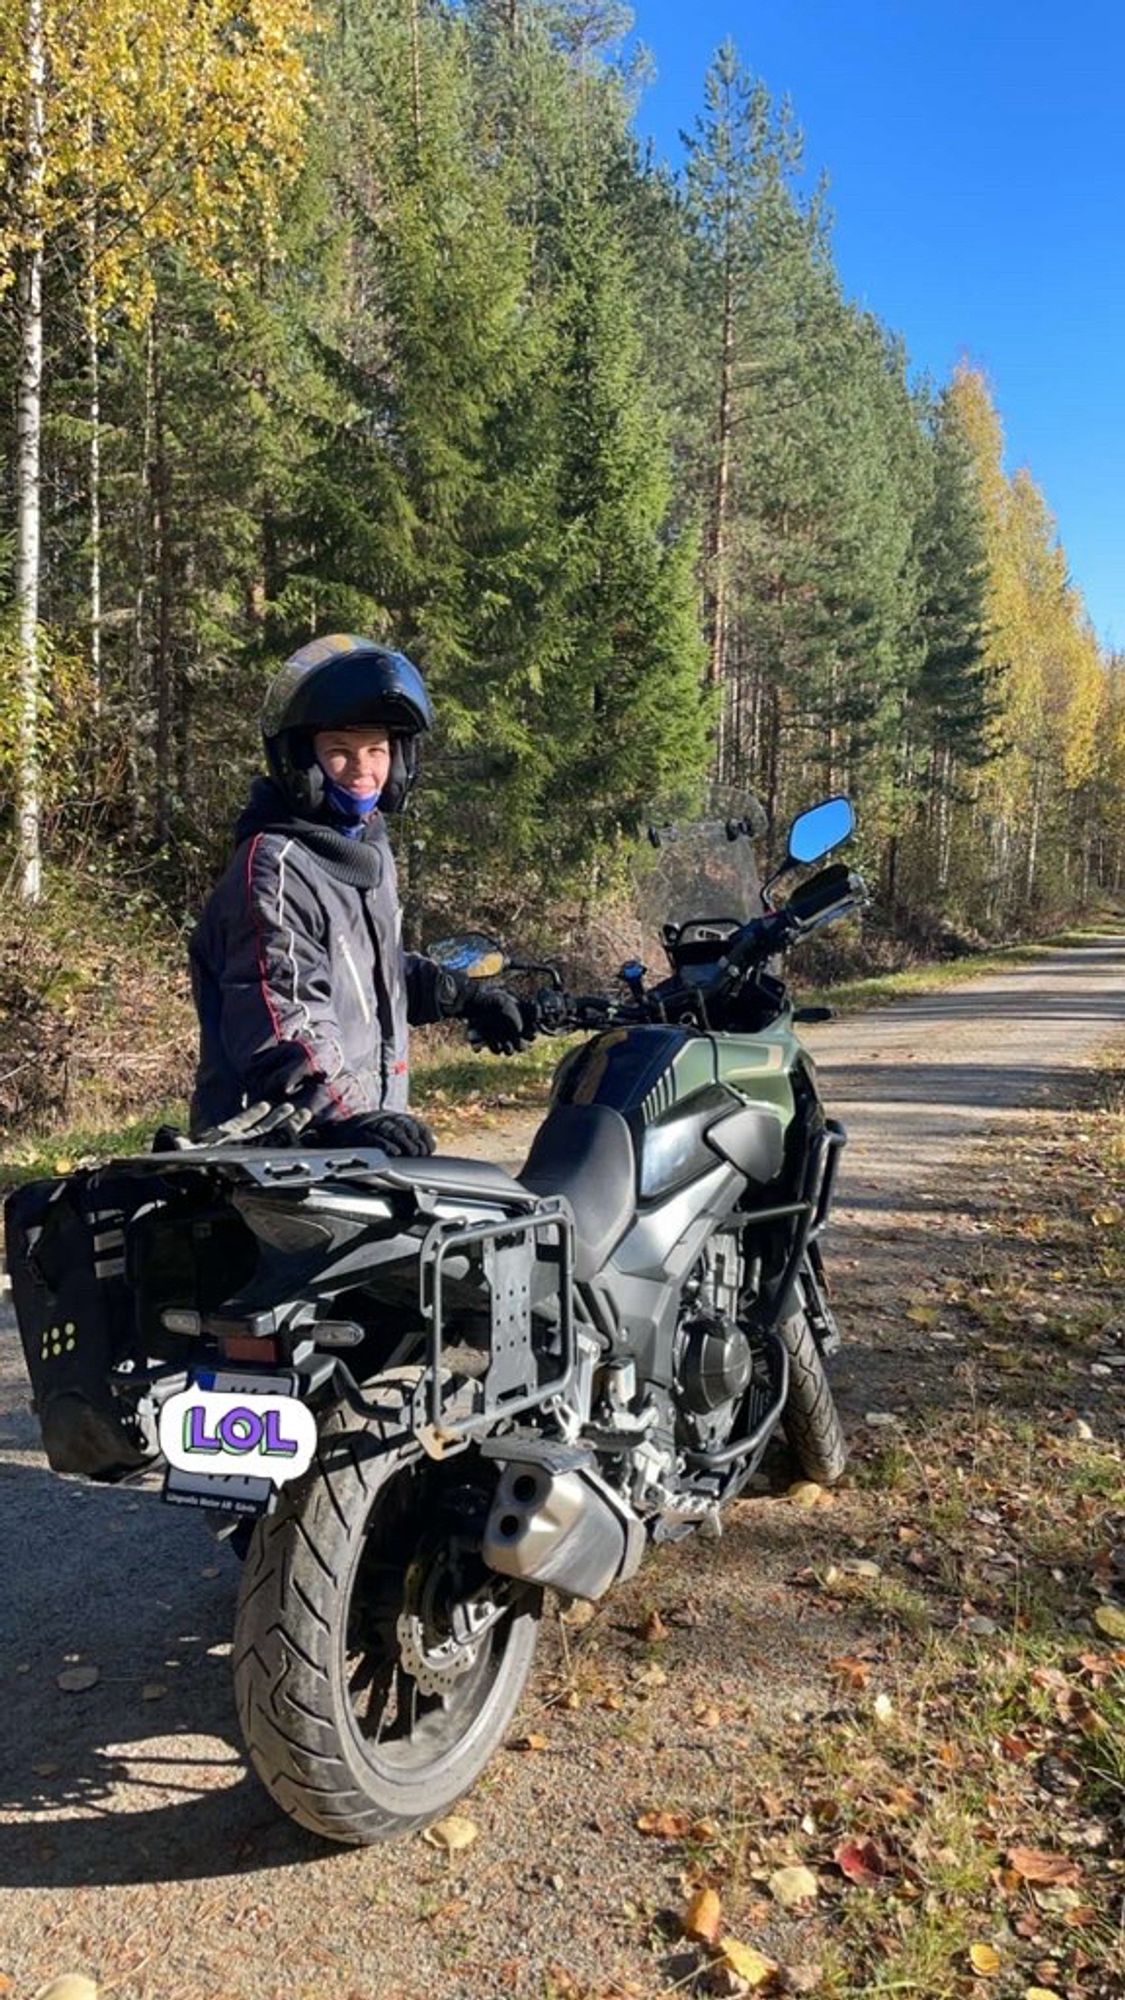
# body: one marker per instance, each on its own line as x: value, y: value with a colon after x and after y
x: 136, y: 1847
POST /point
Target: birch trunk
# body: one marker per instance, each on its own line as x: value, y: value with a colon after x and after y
x: 93, y: 362
x: 162, y: 662
x: 139, y: 680
x: 29, y: 417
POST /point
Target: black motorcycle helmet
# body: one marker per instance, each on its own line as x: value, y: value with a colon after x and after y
x: 334, y: 683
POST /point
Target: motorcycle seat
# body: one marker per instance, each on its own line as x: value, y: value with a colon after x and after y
x: 585, y: 1153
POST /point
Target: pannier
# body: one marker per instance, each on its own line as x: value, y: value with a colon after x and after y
x: 65, y: 1245
x: 94, y: 1259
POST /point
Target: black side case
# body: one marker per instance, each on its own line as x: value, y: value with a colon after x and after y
x: 64, y: 1241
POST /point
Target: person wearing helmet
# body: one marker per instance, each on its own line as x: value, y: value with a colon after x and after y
x: 300, y: 981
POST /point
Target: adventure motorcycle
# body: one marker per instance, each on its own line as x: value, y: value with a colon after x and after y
x: 423, y: 1390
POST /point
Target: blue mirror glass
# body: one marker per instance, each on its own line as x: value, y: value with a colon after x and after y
x: 822, y: 827
x: 470, y: 952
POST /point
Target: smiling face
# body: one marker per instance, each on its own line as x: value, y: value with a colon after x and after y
x: 357, y: 759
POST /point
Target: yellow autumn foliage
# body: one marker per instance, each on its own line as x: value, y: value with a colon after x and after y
x: 162, y: 122
x: 1051, y: 726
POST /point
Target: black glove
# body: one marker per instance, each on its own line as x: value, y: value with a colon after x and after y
x: 397, y: 1133
x: 494, y: 1016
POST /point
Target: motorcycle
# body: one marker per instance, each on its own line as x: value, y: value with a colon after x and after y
x: 418, y: 1393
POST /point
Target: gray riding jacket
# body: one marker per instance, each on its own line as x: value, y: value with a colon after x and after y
x: 299, y: 977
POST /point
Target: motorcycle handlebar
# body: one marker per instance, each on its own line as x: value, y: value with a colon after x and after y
x: 759, y: 940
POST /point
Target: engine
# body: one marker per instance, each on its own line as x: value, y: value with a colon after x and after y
x: 713, y: 1358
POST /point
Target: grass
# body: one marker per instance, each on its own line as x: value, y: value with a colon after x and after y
x: 39, y: 1157
x: 882, y: 989
x: 447, y: 1086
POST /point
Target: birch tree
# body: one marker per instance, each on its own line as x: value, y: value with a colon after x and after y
x: 144, y: 125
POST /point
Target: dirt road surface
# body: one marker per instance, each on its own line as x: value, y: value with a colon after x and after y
x: 136, y: 1847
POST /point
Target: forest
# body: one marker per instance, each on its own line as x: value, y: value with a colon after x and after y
x: 379, y: 318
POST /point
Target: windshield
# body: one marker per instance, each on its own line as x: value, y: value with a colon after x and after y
x: 699, y: 868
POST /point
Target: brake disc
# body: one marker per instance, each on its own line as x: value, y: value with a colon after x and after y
x: 438, y: 1642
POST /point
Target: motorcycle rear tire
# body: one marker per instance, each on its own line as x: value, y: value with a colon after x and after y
x: 313, y: 1721
x: 812, y: 1422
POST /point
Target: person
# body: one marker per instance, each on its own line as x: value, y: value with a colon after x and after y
x: 302, y: 987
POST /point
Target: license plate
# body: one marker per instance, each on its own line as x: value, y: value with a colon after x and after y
x: 259, y: 1417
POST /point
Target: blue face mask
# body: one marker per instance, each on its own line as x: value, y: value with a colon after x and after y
x: 351, y: 811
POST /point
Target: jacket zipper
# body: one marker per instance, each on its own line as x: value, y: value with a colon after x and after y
x: 360, y: 994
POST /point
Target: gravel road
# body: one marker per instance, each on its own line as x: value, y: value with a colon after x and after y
x: 135, y: 1846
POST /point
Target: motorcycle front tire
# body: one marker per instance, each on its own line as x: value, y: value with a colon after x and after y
x: 812, y: 1422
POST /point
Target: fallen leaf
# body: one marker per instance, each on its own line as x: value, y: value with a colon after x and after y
x: 879, y: 1419
x: 708, y: 1718
x: 664, y: 1825
x: 531, y: 1742
x: 43, y: 1771
x: 985, y: 1959
x: 1059, y: 1898
x: 1040, y: 1993
x: 1035, y: 1864
x: 654, y: 1629
x: 652, y: 1676
x: 153, y: 1691
x: 745, y: 1962
x: 1016, y: 1748
x: 861, y: 1862
x: 1110, y: 1620
x: 74, y: 1680
x: 883, y: 1708
x: 854, y: 1673
x: 790, y: 1886
x: 1005, y: 1879
x: 452, y: 1834
x: 923, y: 1315
x: 578, y: 1614
x: 703, y: 1917
x: 71, y: 1986
x: 807, y: 1493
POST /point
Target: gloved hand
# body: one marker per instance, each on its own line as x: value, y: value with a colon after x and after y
x: 494, y: 1016
x: 396, y: 1133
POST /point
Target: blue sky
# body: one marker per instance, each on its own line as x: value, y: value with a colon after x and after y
x: 976, y: 159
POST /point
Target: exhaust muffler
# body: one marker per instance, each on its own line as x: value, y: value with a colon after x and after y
x: 555, y: 1521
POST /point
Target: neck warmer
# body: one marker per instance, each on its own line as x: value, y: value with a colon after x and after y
x: 356, y: 858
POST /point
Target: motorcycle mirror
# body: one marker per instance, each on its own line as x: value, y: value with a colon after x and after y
x: 474, y: 953
x: 822, y: 827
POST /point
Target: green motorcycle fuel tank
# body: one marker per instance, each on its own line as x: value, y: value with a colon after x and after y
x: 673, y: 1084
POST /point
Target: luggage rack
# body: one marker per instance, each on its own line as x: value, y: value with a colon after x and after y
x: 508, y: 1251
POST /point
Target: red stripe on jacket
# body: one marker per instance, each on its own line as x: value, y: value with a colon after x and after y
x: 267, y: 996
